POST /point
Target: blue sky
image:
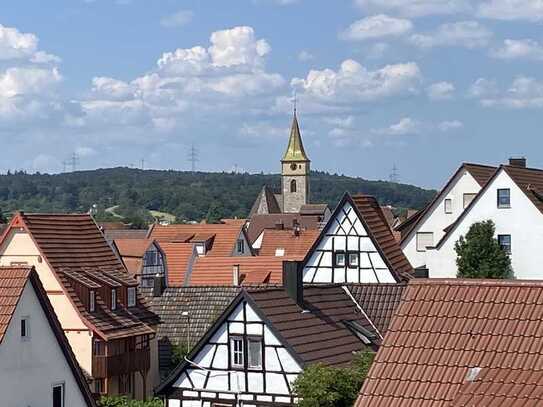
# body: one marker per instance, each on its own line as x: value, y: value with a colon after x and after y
x: 423, y: 84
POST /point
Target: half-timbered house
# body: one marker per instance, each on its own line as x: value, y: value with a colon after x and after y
x: 106, y: 320
x: 356, y: 246
x: 263, y: 340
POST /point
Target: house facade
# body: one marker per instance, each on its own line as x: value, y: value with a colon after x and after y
x: 143, y: 258
x: 264, y: 339
x: 37, y: 365
x: 511, y: 199
x: 104, y: 317
x: 428, y: 226
x: 356, y: 246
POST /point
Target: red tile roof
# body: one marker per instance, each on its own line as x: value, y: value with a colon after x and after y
x: 132, y: 247
x: 295, y: 246
x: 378, y: 227
x: 444, y: 328
x: 178, y: 257
x: 209, y: 270
x: 225, y: 235
x: 73, y: 243
x: 12, y: 283
x: 259, y: 223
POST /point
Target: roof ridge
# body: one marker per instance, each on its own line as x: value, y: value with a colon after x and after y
x: 476, y: 282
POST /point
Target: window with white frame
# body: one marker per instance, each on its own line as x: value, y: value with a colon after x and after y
x: 25, y: 328
x: 92, y: 300
x: 236, y: 351
x: 131, y: 296
x: 353, y: 259
x: 468, y: 198
x: 113, y: 299
x: 254, y: 353
x: 241, y: 246
x: 58, y: 395
x: 424, y: 239
x: 339, y: 259
x: 448, y: 205
x: 504, y: 198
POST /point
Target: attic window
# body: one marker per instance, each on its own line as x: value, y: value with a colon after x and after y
x: 25, y: 328
x: 237, y: 352
x: 113, y: 299
x: 241, y: 246
x: 448, y: 206
x: 92, y: 300
x: 131, y: 296
x: 504, y: 198
x: 339, y: 259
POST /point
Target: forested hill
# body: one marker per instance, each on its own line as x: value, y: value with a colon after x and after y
x: 186, y: 195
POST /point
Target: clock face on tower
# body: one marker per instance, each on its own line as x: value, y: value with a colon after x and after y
x: 293, y: 166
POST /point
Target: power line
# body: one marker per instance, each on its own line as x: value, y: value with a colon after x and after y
x: 74, y: 160
x: 142, y: 161
x: 193, y: 157
x: 394, y: 174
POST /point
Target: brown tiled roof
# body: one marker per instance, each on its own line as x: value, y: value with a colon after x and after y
x: 112, y: 234
x: 132, y: 247
x: 209, y: 270
x: 444, y: 328
x: 295, y: 246
x: 313, y: 209
x: 265, y: 200
x: 530, y: 181
x: 226, y: 235
x: 260, y: 222
x: 378, y: 227
x: 12, y: 283
x: 178, y: 258
x: 379, y: 301
x: 481, y: 174
x: 320, y: 335
x: 73, y: 243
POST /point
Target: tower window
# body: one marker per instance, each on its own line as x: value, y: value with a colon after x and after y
x: 293, y: 185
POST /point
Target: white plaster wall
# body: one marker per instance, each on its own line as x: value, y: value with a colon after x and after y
x: 352, y: 235
x: 29, y: 369
x: 523, y: 221
x: 436, y: 219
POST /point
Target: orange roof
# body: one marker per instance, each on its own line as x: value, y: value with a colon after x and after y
x: 226, y: 235
x: 178, y: 258
x: 132, y: 247
x: 133, y: 265
x: 12, y: 283
x: 218, y: 270
x: 295, y: 247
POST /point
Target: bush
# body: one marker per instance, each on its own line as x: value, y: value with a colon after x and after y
x: 479, y: 255
x: 123, y: 401
x: 324, y: 386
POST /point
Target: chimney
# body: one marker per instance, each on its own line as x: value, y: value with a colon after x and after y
x: 517, y: 162
x: 235, y: 275
x: 293, y: 281
x: 296, y: 227
x: 158, y: 285
x: 279, y: 226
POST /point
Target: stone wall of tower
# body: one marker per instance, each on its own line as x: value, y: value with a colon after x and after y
x: 293, y: 201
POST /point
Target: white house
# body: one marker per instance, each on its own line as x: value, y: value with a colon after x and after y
x: 253, y: 353
x: 428, y: 226
x: 37, y: 366
x: 513, y: 200
x: 356, y: 246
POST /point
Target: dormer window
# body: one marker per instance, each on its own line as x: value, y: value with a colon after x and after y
x: 241, y: 246
x: 92, y: 300
x: 131, y: 296
x: 113, y: 299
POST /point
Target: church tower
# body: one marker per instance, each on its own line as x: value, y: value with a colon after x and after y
x: 295, y: 172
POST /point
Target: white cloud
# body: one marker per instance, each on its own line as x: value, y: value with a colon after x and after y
x: 448, y: 125
x: 416, y: 8
x: 14, y: 44
x: 406, y: 126
x: 483, y: 87
x: 523, y: 93
x: 440, y: 91
x: 519, y: 49
x: 177, y: 19
x: 376, y: 26
x: 377, y: 50
x: 305, y: 56
x: 329, y: 90
x: 469, y: 34
x: 527, y: 10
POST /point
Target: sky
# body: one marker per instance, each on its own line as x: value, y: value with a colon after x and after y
x: 422, y: 85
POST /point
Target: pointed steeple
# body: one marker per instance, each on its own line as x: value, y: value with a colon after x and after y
x: 295, y: 150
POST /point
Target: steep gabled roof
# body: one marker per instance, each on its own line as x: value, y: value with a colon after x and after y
x: 224, y: 241
x: 481, y: 174
x: 295, y: 149
x: 178, y: 258
x: 443, y: 329
x: 295, y: 247
x: 265, y: 203
x: 321, y: 335
x: 73, y: 243
x: 12, y: 283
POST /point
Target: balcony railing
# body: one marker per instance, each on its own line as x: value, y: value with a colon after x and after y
x: 108, y: 366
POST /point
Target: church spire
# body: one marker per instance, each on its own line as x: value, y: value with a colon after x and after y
x: 295, y: 150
